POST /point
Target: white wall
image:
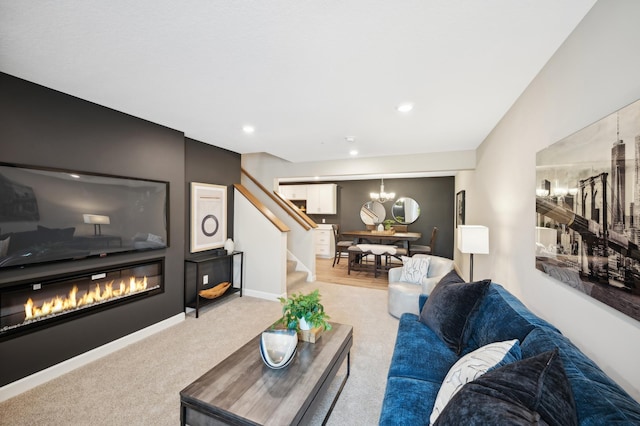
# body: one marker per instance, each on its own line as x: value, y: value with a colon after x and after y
x: 265, y: 251
x: 300, y: 242
x: 264, y: 166
x: 594, y: 73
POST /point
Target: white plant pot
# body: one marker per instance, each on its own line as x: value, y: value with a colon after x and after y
x: 303, y: 324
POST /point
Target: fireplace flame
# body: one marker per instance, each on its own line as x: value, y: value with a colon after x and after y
x: 60, y: 304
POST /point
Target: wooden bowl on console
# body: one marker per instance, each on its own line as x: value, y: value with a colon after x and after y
x: 213, y: 292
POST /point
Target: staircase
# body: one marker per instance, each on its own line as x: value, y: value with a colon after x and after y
x: 295, y: 279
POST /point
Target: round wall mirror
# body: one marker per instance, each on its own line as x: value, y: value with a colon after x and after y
x: 372, y: 213
x: 405, y: 210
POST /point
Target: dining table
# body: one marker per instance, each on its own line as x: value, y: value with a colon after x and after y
x: 403, y: 239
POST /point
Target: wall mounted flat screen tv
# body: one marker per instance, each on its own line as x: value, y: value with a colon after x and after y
x: 49, y: 215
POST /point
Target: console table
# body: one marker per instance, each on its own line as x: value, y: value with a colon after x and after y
x: 223, y: 265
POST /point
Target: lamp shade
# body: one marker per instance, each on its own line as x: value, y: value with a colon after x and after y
x: 473, y: 239
x: 96, y: 219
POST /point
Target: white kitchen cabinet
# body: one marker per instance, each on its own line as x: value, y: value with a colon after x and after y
x: 294, y: 192
x: 321, y: 198
x: 324, y: 242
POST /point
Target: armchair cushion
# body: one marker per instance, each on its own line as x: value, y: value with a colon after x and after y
x: 438, y: 268
x: 414, y: 269
x: 403, y: 296
x: 394, y: 275
x: 429, y: 284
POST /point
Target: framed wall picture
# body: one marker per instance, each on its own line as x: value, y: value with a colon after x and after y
x: 208, y: 216
x: 460, y: 208
x: 587, y: 196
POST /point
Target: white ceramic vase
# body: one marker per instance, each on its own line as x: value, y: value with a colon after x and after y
x: 303, y: 324
x: 229, y: 246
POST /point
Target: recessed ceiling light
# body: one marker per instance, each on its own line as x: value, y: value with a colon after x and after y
x: 353, y: 152
x: 406, y: 107
x: 248, y: 129
x: 350, y: 138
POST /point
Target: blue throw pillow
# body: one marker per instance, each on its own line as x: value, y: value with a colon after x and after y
x: 532, y: 391
x: 449, y: 307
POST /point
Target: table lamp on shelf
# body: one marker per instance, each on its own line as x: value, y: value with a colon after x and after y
x: 96, y: 220
x: 473, y: 239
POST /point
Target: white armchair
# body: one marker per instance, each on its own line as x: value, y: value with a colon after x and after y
x: 403, y: 296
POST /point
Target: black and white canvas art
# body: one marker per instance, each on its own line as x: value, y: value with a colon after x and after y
x: 588, y: 210
x: 208, y: 216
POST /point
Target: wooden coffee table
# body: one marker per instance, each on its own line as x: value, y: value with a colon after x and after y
x: 242, y: 390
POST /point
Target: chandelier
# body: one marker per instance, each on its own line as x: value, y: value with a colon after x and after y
x: 382, y: 196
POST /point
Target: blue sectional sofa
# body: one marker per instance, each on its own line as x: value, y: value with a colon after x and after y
x: 421, y: 360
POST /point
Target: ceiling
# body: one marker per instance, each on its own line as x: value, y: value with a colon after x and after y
x: 305, y: 74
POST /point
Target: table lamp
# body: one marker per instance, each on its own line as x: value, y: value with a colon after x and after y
x: 473, y: 239
x: 96, y: 220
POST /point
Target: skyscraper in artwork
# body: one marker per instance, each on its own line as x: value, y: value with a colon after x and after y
x: 618, y: 186
x: 635, y: 218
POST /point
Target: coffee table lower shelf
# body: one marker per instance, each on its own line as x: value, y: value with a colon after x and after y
x: 242, y: 390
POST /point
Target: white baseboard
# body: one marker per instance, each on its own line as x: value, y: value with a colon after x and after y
x: 261, y: 294
x: 43, y: 376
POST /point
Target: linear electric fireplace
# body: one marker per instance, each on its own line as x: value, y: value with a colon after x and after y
x: 31, y: 305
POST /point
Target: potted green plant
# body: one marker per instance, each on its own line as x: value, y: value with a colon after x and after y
x: 305, y: 309
x: 388, y: 223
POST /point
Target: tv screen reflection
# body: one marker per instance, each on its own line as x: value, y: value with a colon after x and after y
x: 49, y: 215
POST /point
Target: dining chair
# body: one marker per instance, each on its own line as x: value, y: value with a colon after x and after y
x: 342, y: 246
x: 422, y: 249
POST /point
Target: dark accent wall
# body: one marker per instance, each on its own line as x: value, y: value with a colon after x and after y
x: 43, y: 127
x: 210, y: 164
x: 434, y: 194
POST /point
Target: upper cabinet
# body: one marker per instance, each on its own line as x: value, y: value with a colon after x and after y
x: 294, y: 192
x: 321, y: 198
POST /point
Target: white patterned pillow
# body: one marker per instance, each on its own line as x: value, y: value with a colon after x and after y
x: 414, y: 269
x: 155, y: 238
x: 472, y: 366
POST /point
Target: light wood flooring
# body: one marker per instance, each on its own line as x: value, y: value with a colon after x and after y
x: 338, y: 275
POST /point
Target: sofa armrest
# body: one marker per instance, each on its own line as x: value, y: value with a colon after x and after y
x: 395, y: 274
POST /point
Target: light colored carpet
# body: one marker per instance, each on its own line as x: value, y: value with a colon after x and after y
x: 140, y: 384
